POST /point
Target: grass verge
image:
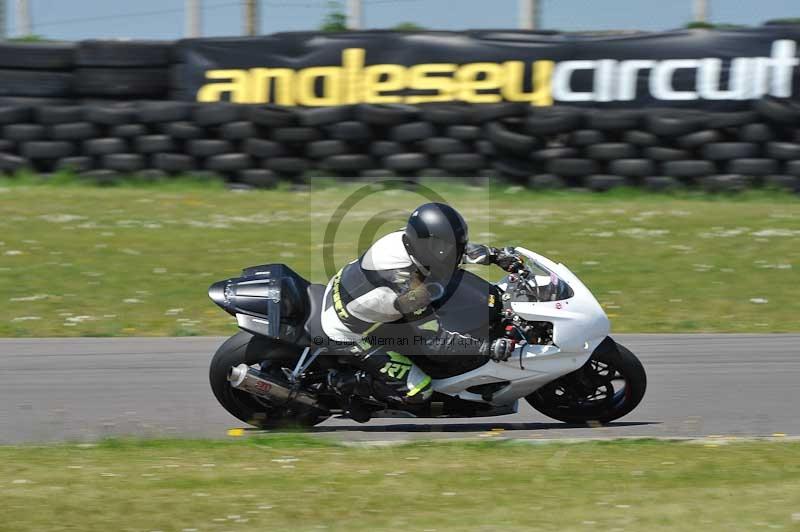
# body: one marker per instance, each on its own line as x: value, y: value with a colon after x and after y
x: 136, y: 260
x: 293, y: 483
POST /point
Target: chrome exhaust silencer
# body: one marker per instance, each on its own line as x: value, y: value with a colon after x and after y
x: 250, y: 380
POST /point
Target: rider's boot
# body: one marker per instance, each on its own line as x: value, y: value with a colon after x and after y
x: 395, y: 378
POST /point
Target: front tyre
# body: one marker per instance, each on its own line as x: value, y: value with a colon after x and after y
x: 245, y: 348
x: 609, y: 386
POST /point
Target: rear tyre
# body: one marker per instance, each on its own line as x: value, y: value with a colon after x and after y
x: 244, y: 348
x: 609, y: 386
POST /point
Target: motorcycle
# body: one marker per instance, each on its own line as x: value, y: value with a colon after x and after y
x: 276, y: 371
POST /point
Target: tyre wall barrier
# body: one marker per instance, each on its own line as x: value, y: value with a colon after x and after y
x: 103, y: 109
x: 541, y: 147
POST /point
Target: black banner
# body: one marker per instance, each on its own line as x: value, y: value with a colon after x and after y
x: 706, y: 69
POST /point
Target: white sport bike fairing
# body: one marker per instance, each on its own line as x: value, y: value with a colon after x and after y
x: 566, y: 365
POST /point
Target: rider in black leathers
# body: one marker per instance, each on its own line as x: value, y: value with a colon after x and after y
x: 391, y: 282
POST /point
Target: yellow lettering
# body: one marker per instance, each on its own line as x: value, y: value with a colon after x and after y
x: 353, y: 61
x: 261, y: 82
x: 353, y: 82
x: 331, y: 86
x: 430, y: 78
x: 383, y: 78
x: 542, y: 78
x: 476, y: 78
x: 237, y: 86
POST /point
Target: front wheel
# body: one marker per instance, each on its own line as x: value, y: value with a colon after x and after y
x: 245, y: 348
x: 610, y: 385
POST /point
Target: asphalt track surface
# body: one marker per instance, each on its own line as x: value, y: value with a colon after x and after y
x: 88, y: 388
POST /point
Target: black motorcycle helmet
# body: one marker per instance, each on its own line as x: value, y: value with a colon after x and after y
x: 435, y: 238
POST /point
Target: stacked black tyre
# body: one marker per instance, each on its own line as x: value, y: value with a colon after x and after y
x: 46, y: 73
x: 122, y: 69
x: 36, y: 72
x: 261, y: 145
x: 666, y: 148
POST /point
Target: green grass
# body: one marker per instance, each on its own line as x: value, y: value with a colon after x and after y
x: 288, y: 483
x: 77, y: 260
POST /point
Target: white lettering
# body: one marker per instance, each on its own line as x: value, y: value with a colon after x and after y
x: 709, y: 79
x: 784, y: 60
x: 605, y: 80
x: 759, y: 79
x: 562, y: 81
x: 629, y: 77
x: 748, y: 77
x: 661, y: 81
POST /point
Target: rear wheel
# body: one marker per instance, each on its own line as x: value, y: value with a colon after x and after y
x: 609, y: 386
x: 270, y: 356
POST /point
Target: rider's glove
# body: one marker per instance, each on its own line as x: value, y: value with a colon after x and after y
x: 413, y: 300
x: 508, y: 260
x: 479, y: 254
x: 501, y: 349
